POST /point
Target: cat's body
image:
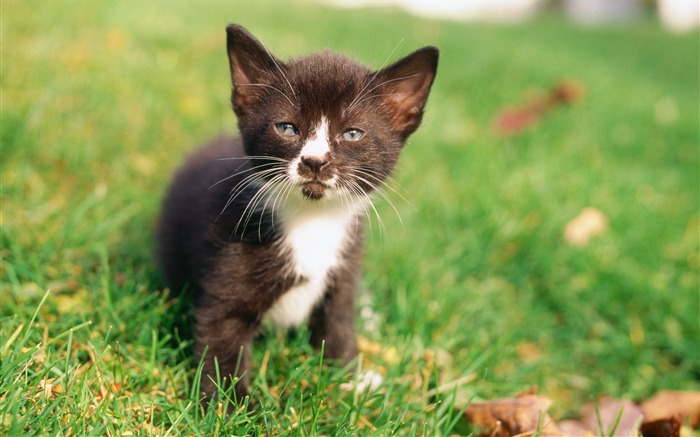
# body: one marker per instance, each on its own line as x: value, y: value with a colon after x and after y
x: 268, y: 228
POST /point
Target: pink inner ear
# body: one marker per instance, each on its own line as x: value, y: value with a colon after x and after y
x: 406, y: 99
x: 404, y: 119
x: 238, y: 74
x: 405, y: 86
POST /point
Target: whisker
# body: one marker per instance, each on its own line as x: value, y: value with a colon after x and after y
x: 379, y: 188
x: 246, y: 182
x: 347, y: 194
x: 249, y: 180
x: 382, y: 179
x: 247, y: 157
x: 278, y: 190
x: 352, y: 194
x: 274, y: 61
x: 378, y: 175
x: 385, y: 196
x: 374, y: 96
x: 284, y: 194
x: 345, y: 202
x: 273, y: 87
x: 356, y: 188
x: 241, y: 172
x: 276, y: 204
x: 252, y: 205
x: 359, y: 95
x: 362, y: 96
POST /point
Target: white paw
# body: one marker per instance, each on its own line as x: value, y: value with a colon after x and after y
x: 367, y: 380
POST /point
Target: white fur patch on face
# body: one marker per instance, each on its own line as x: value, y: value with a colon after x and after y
x: 314, y: 236
x: 317, y: 146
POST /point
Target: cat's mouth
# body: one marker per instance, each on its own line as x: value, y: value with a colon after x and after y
x: 314, y: 189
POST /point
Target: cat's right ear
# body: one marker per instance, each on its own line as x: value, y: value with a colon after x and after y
x: 405, y: 86
x: 252, y: 65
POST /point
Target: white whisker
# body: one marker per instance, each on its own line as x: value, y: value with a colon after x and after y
x: 348, y: 202
x: 357, y: 189
x: 366, y: 95
x: 249, y: 157
x: 274, y: 61
x: 352, y: 193
x: 378, y: 188
x: 246, y: 182
x: 276, y: 204
x: 273, y: 87
x: 252, y: 205
x: 382, y: 179
x: 360, y: 94
x: 237, y: 173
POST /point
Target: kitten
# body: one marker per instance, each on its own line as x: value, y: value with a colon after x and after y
x: 268, y: 227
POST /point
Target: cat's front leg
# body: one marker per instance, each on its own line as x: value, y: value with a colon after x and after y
x: 332, y: 323
x: 225, y: 338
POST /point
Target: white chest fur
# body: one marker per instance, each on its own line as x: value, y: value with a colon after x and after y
x: 315, y: 241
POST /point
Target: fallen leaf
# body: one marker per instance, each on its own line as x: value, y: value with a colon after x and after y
x: 512, y: 121
x: 667, y: 403
x: 589, y: 223
x: 574, y: 428
x: 668, y: 427
x: 108, y: 392
x: 528, y: 352
x: 49, y: 389
x: 368, y: 347
x: 513, y: 416
x: 606, y: 413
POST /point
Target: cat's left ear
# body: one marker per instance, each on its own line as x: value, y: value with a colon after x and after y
x: 406, y: 85
x: 252, y: 66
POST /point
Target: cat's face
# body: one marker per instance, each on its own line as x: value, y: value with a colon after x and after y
x: 325, y: 126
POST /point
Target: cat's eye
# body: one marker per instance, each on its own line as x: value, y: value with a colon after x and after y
x: 287, y: 129
x: 353, y: 134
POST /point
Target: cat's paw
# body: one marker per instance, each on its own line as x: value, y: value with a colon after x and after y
x: 367, y: 380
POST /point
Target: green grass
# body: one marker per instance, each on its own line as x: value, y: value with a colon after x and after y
x: 102, y: 100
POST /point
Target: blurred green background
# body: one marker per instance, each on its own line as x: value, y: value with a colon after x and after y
x: 102, y: 100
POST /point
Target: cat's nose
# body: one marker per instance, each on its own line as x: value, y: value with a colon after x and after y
x: 315, y: 163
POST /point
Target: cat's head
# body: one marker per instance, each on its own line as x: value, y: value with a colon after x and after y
x: 330, y: 126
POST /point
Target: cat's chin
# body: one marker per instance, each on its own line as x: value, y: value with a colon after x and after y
x: 313, y: 190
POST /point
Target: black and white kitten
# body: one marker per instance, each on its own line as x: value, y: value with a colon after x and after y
x: 269, y: 227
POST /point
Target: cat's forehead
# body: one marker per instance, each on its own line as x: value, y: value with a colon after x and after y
x: 327, y: 69
x: 325, y: 83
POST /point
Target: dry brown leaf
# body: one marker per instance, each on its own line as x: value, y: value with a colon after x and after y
x: 108, y: 392
x: 607, y: 411
x: 513, y: 416
x: 512, y: 121
x: 667, y: 403
x: 669, y: 427
x: 49, y: 389
x: 589, y: 223
x: 574, y: 428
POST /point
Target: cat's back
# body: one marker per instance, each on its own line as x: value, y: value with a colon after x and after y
x: 191, y: 202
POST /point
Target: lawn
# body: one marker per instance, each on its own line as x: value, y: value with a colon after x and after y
x: 471, y: 292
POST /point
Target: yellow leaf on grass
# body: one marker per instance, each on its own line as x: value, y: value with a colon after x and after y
x: 589, y: 223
